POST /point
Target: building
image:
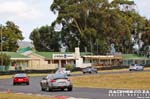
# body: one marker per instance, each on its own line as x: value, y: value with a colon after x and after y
x: 29, y: 59
x: 103, y: 60
x: 52, y: 60
x: 18, y: 61
x: 135, y: 59
x: 99, y: 61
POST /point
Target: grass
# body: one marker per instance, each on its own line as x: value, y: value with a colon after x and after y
x: 137, y: 80
x: 78, y: 72
x: 22, y: 96
x: 112, y: 70
x: 31, y: 75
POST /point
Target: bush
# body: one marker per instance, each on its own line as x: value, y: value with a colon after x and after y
x: 69, y: 67
x: 4, y: 59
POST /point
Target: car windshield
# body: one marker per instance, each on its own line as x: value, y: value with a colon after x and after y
x: 139, y: 65
x: 20, y: 75
x: 136, y: 65
x: 88, y: 68
x: 58, y: 71
x: 49, y: 76
x: 57, y: 76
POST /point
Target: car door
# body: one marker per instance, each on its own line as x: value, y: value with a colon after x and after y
x: 140, y: 67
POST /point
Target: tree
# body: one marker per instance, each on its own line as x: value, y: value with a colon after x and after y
x: 145, y: 37
x: 92, y: 25
x: 123, y: 19
x: 96, y: 23
x: 79, y: 20
x: 10, y: 35
x: 45, y: 39
x: 4, y: 59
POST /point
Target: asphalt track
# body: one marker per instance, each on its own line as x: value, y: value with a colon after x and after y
x: 88, y: 93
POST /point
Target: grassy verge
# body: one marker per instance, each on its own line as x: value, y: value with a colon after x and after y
x: 113, y: 70
x: 78, y: 72
x: 22, y: 96
x: 10, y: 76
x: 137, y: 80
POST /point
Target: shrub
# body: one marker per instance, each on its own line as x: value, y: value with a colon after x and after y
x: 69, y: 67
x: 4, y: 59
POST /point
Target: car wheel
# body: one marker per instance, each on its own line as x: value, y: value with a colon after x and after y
x: 14, y: 83
x: 69, y: 88
x: 142, y: 69
x: 130, y: 69
x: 83, y: 72
x: 62, y: 89
x: 43, y: 89
x: 27, y: 83
x: 50, y: 89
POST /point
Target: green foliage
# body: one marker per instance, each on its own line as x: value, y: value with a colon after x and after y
x: 93, y: 25
x: 97, y: 20
x: 10, y: 35
x: 69, y: 67
x: 4, y: 59
x: 45, y: 39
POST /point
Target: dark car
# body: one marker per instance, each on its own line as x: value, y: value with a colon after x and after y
x: 56, y: 81
x: 20, y: 78
x: 89, y: 70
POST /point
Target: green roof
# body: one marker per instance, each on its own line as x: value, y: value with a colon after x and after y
x: 22, y: 50
x: 49, y: 55
x: 15, y: 55
x: 85, y: 53
x: 133, y: 56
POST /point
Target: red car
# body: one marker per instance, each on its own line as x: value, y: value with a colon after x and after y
x: 20, y: 78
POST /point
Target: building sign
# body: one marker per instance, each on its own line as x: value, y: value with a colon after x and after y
x: 63, y: 56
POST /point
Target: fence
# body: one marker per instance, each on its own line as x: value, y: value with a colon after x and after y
x: 4, y: 68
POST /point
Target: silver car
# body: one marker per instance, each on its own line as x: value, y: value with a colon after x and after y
x: 56, y: 81
x: 136, y: 67
x: 63, y: 71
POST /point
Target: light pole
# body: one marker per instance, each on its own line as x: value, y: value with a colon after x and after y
x: 1, y: 46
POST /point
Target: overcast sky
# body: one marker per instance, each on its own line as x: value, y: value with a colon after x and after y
x: 29, y: 14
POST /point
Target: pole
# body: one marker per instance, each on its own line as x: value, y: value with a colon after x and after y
x: 91, y: 44
x: 1, y: 47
